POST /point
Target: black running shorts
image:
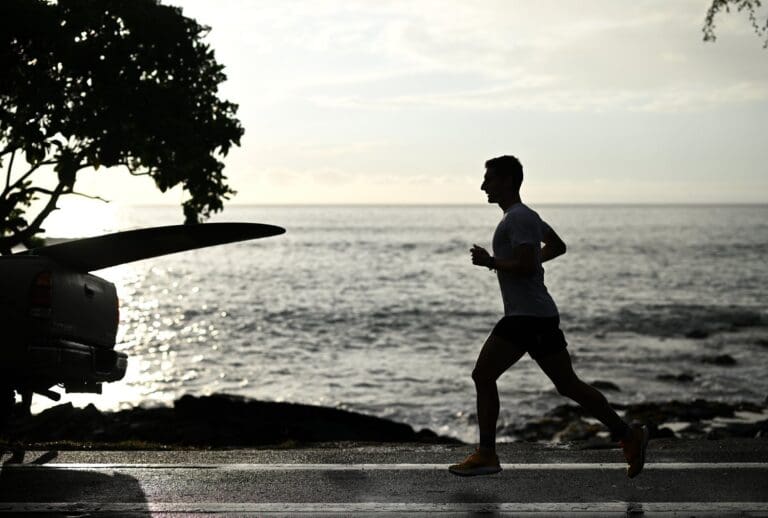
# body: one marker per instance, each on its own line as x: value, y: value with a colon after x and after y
x: 539, y: 336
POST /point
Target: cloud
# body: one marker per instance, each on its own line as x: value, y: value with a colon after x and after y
x: 672, y: 98
x: 544, y: 55
x: 351, y: 148
x: 504, y: 55
x: 426, y: 87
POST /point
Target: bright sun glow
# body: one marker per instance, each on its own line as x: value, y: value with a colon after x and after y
x: 82, y: 218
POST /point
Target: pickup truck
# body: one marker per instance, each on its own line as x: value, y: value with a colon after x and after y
x: 57, y: 327
x: 58, y: 322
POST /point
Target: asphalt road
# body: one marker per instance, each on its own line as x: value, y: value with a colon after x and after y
x: 702, y: 478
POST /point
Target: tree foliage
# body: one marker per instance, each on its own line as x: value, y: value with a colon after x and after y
x: 106, y: 83
x: 751, y: 7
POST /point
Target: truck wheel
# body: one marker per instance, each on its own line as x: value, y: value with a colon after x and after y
x: 7, y: 400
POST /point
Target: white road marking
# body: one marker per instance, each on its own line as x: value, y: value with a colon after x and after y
x: 393, y: 467
x: 388, y: 507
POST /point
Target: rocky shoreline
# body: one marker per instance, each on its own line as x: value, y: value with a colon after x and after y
x: 215, y: 421
x: 227, y: 421
x: 695, y: 419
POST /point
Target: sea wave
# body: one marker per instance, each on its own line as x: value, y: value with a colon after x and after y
x: 653, y: 320
x: 667, y: 320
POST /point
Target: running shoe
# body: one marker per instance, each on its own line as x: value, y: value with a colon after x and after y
x: 482, y: 462
x: 634, y: 447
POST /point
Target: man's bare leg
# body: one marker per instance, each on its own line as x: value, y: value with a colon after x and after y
x: 633, y: 440
x: 496, y: 356
x: 558, y: 368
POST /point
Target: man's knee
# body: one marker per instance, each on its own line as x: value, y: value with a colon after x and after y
x: 483, y: 376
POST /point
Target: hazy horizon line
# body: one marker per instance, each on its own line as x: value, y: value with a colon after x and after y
x: 544, y: 204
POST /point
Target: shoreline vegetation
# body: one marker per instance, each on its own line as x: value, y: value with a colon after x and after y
x: 229, y: 421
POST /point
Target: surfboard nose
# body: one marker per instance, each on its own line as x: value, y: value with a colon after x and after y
x: 95, y: 253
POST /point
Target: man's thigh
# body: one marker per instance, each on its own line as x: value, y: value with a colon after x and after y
x: 497, y: 355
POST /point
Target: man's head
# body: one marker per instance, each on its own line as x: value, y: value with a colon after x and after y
x: 503, y: 177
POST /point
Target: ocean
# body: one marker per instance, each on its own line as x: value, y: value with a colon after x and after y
x: 378, y: 309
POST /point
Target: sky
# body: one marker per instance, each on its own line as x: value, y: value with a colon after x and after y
x: 402, y: 102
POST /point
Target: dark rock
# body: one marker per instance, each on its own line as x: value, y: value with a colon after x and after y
x: 680, y: 411
x: 567, y: 423
x: 578, y: 431
x: 746, y: 430
x: 569, y: 412
x: 716, y: 434
x: 697, y: 334
x: 547, y: 427
x: 683, y: 377
x: 605, y: 385
x: 696, y: 429
x: 219, y: 420
x: 269, y: 422
x: 662, y: 432
x: 542, y: 429
x: 428, y: 436
x: 721, y: 359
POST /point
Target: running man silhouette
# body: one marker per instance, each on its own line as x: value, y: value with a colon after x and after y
x: 531, y: 323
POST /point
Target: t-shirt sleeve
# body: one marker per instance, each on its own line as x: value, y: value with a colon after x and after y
x: 545, y: 228
x: 526, y: 229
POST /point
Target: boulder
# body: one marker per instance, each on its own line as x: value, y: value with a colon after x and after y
x: 219, y: 420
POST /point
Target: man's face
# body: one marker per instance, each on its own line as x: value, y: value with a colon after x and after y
x: 494, y: 185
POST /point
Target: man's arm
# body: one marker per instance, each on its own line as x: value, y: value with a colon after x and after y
x: 553, y: 245
x: 522, y: 262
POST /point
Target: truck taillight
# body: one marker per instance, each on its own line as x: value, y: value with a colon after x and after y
x: 40, y: 295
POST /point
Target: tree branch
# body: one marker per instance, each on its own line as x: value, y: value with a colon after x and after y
x: 42, y: 190
x: 25, y: 176
x: 89, y: 196
x: 9, y: 148
x: 8, y: 175
x: 7, y: 243
x: 67, y: 191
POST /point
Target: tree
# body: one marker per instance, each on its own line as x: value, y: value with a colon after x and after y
x: 107, y: 83
x: 750, y: 6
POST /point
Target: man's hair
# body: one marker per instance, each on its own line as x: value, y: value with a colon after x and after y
x: 507, y: 165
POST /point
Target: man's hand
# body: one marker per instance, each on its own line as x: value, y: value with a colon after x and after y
x: 480, y: 256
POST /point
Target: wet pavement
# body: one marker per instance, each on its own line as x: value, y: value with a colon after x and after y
x: 715, y: 478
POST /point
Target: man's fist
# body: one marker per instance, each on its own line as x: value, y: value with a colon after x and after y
x: 480, y: 256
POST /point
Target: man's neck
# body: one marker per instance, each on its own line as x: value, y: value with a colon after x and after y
x: 508, y: 202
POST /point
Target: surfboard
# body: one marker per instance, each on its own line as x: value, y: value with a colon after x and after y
x: 95, y: 253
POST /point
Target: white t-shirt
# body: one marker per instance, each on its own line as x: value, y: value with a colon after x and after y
x: 522, y: 294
